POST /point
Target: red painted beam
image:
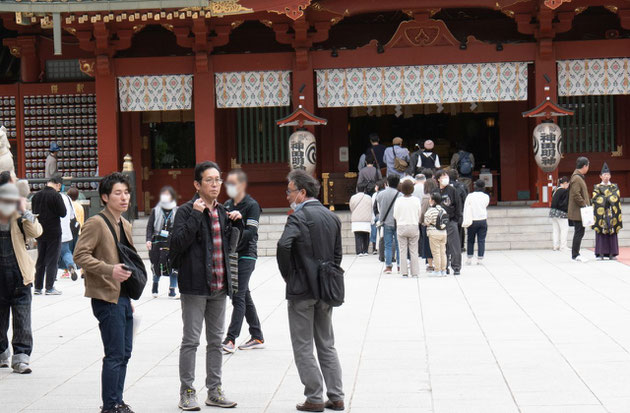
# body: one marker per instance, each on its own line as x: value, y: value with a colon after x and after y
x: 136, y: 66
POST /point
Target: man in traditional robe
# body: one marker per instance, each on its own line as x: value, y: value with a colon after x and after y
x: 608, y: 219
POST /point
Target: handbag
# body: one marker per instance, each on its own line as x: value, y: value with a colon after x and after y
x: 399, y: 163
x: 129, y: 257
x: 330, y: 275
x: 233, y: 258
x: 588, y: 216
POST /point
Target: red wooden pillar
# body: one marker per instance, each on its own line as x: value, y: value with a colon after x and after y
x: 204, y: 106
x: 545, y: 68
x: 29, y: 60
x: 109, y: 159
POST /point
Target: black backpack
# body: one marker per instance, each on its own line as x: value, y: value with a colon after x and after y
x: 465, y: 164
x: 441, y: 221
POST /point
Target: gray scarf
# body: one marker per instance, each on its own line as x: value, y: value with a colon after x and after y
x: 159, y: 216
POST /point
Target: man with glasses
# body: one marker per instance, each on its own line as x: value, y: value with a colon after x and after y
x: 199, y: 248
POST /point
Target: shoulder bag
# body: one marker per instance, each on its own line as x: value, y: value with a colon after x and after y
x: 400, y: 164
x: 330, y: 278
x: 129, y: 257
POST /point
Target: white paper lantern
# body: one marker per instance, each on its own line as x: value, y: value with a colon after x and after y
x: 302, y: 151
x: 548, y: 146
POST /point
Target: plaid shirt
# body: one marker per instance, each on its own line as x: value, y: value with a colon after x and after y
x: 217, y: 282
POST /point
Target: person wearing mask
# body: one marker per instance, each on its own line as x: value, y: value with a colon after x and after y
x: 50, y: 168
x: 452, y: 205
x: 385, y: 202
x: 437, y: 236
x: 48, y: 205
x: 311, y: 231
x: 462, y: 191
x: 463, y: 162
x: 361, y: 217
x: 428, y: 159
x: 247, y: 249
x: 69, y: 227
x: 369, y: 175
x: 407, y: 211
x: 476, y: 220
x: 579, y: 198
x: 558, y: 214
x: 430, y: 186
x: 17, y: 272
x: 377, y: 151
x: 396, y: 158
x: 157, y: 238
x: 608, y: 217
x: 97, y: 254
x: 199, y: 250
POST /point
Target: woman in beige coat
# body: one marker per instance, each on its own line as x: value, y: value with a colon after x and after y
x: 361, y: 217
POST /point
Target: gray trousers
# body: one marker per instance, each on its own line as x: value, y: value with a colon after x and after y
x: 312, y: 320
x: 196, y: 309
x: 453, y: 246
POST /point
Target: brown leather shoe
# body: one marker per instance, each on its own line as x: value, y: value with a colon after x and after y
x: 310, y: 407
x: 335, y: 405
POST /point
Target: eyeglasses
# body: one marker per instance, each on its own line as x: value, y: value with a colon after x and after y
x: 290, y: 191
x: 217, y: 181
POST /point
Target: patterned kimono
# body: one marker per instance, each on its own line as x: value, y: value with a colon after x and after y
x: 608, y: 219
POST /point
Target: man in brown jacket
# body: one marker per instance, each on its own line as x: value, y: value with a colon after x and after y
x: 97, y: 254
x: 579, y: 197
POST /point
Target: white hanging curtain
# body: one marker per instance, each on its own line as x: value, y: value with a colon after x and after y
x: 594, y: 77
x: 155, y: 93
x: 410, y: 85
x: 253, y: 89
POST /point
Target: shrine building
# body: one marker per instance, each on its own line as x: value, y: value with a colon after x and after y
x: 174, y: 82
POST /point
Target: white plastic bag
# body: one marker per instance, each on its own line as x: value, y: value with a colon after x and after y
x: 588, y: 216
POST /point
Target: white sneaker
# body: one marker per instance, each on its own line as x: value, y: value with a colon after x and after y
x: 469, y: 261
x: 479, y: 260
x: 579, y: 258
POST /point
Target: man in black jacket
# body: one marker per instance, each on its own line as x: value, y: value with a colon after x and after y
x: 451, y: 202
x: 49, y: 206
x: 241, y: 202
x: 199, y: 249
x: 310, y: 228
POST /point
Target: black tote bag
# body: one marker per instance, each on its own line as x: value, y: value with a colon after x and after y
x: 129, y: 257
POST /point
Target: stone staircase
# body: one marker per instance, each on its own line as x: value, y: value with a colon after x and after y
x: 509, y: 228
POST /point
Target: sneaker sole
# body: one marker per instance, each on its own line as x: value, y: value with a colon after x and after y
x: 224, y: 406
x: 228, y: 351
x: 26, y: 371
x: 189, y: 409
x: 254, y: 347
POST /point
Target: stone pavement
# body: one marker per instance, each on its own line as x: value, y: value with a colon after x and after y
x: 529, y: 332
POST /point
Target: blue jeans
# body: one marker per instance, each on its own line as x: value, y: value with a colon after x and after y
x: 172, y: 280
x: 373, y: 234
x: 389, y: 236
x: 65, y: 258
x: 243, y: 304
x: 115, y: 322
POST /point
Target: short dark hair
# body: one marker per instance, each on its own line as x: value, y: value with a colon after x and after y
x: 581, y: 162
x: 407, y: 187
x: 480, y: 185
x: 239, y: 173
x: 374, y: 137
x: 56, y: 178
x: 380, y: 183
x: 361, y: 187
x: 302, y: 180
x: 201, y: 167
x: 73, y: 193
x: 369, y: 159
x: 452, y: 173
x: 393, y: 181
x: 5, y: 176
x: 106, y: 185
x: 430, y: 186
x: 436, y: 197
x: 427, y: 172
x: 440, y: 173
x: 170, y: 190
x: 563, y: 179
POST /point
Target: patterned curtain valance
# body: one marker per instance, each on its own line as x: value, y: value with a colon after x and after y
x: 408, y: 85
x: 253, y: 89
x: 594, y: 77
x: 147, y: 93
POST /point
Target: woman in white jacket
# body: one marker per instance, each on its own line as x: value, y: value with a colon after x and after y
x: 361, y: 217
x: 476, y: 220
x: 407, y: 211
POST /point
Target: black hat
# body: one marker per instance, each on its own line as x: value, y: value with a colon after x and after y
x: 605, y: 169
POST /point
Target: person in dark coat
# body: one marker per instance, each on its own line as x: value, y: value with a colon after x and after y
x: 199, y: 250
x: 451, y: 202
x: 579, y: 197
x: 377, y: 150
x: 48, y: 205
x: 311, y: 227
x: 558, y: 214
x: 462, y: 191
x: 158, y: 229
x: 608, y: 217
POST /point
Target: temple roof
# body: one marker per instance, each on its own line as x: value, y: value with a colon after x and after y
x: 66, y: 6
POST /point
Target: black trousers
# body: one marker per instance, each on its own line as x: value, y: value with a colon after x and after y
x: 244, y: 305
x: 577, y: 237
x: 15, y: 299
x: 362, y: 242
x: 48, y: 251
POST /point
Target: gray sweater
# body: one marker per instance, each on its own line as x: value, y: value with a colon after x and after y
x: 384, y: 199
